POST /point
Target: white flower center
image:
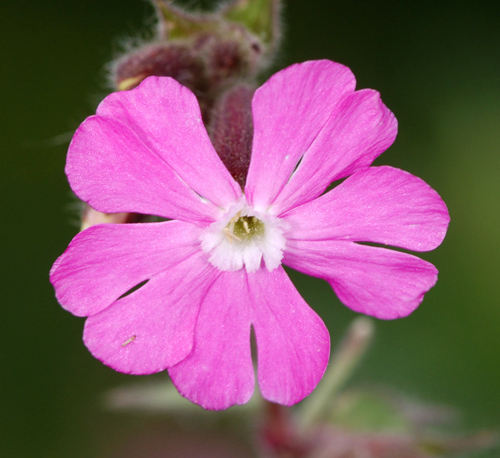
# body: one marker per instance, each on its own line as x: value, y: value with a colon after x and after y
x: 244, y: 237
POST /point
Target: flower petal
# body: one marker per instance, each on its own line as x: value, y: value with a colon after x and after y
x: 152, y: 328
x: 382, y: 283
x: 378, y: 204
x: 109, y: 167
x: 105, y: 261
x: 359, y: 130
x: 289, y: 111
x: 293, y: 344
x: 219, y: 371
x: 147, y: 151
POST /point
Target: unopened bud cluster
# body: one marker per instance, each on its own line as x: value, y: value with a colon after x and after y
x: 208, y: 53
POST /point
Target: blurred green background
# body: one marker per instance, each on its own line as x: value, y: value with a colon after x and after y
x: 437, y: 66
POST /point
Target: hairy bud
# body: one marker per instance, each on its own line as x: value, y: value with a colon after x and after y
x: 231, y: 130
x: 205, y: 52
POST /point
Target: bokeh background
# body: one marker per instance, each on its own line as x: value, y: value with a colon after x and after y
x: 437, y: 65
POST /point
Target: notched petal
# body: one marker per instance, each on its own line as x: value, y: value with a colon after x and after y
x: 219, y: 371
x: 380, y: 205
x: 151, y: 328
x: 375, y: 281
x: 105, y: 261
x: 289, y: 111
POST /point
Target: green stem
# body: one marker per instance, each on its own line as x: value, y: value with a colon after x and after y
x: 342, y: 365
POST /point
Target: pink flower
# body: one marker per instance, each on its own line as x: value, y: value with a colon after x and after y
x: 215, y: 271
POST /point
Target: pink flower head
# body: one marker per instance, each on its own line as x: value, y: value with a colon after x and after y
x: 214, y: 270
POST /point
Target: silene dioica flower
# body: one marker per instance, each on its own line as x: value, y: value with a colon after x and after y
x: 214, y: 269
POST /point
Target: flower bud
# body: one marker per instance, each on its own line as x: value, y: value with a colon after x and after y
x: 231, y: 130
x: 205, y: 52
x: 176, y: 61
